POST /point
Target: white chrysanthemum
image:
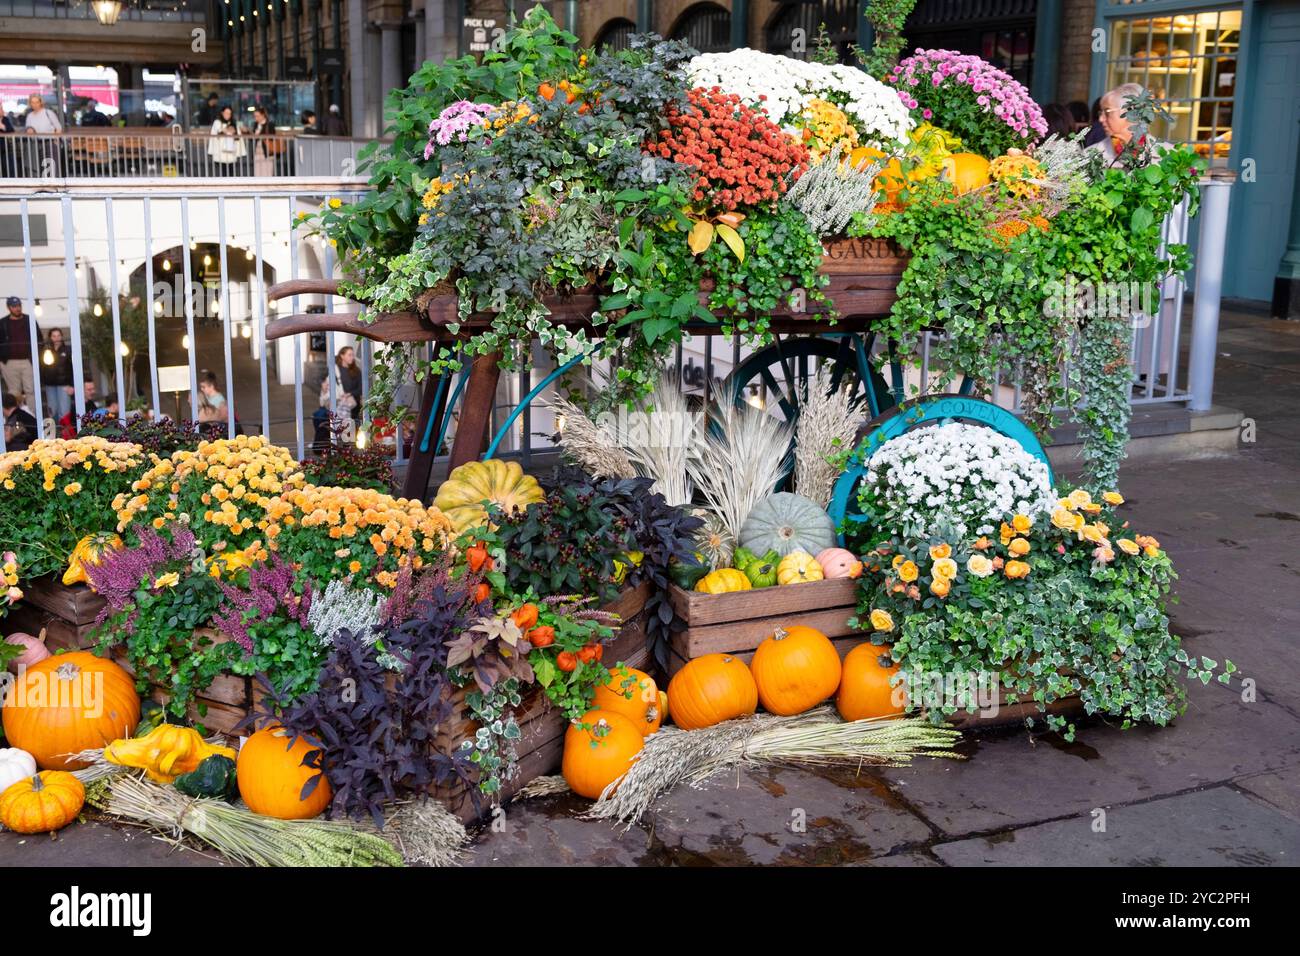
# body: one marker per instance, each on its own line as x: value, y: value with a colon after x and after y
x: 957, y: 477
x: 783, y: 87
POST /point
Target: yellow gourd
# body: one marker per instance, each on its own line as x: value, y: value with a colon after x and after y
x: 89, y: 550
x: 165, y: 753
x: 723, y: 581
x: 462, y: 496
x: 798, y: 567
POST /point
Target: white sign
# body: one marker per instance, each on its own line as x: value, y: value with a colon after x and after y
x: 481, y: 33
x: 173, y: 378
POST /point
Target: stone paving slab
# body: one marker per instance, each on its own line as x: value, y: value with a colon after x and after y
x: 1215, y: 827
x: 547, y: 831
x: 1017, y: 780
x: 96, y: 844
x: 785, y: 816
x: 1281, y: 790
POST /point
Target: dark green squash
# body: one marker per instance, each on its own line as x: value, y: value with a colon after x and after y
x: 214, y: 777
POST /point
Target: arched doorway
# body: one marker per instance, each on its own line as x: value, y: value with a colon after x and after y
x: 705, y: 26
x: 615, y: 35
x: 794, y: 27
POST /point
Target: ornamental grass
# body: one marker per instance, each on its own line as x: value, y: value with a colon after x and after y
x: 818, y: 738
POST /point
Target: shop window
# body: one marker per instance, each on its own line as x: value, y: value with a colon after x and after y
x: 614, y: 35
x: 839, y: 17
x: 706, y: 27
x: 1189, y: 61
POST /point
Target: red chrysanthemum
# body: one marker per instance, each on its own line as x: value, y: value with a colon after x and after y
x: 742, y: 157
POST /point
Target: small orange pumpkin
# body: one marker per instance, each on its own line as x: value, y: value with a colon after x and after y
x: 711, y: 689
x: 598, y: 750
x: 864, y: 689
x: 633, y: 694
x: 48, y: 801
x: 271, y: 776
x: 795, y: 670
x: 68, y: 703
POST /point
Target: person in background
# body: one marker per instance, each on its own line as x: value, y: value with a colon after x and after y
x: 1119, y: 132
x: 8, y: 166
x: 41, y: 119
x: 212, y: 404
x: 91, y: 116
x: 1059, y: 121
x: 334, y: 122
x: 309, y: 126
x: 266, y: 149
x: 1080, y: 114
x: 226, y: 149
x: 208, y: 112
x: 56, y: 376
x: 16, y: 351
x: 48, y: 155
x: 20, y: 426
x: 1096, y: 132
x: 109, y: 409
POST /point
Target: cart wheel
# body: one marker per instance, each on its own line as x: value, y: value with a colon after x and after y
x: 782, y: 367
x: 921, y: 412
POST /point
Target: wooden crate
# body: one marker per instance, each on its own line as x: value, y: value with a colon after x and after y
x: 541, y: 746
x: 863, y: 257
x: 66, y: 613
x: 738, y: 622
x: 226, y: 701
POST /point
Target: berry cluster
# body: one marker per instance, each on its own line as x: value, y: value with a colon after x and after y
x: 743, y: 158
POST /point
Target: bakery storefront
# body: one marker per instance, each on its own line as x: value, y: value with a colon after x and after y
x: 1229, y: 75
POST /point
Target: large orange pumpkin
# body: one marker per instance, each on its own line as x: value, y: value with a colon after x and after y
x: 864, y: 688
x: 633, y: 694
x: 795, y: 669
x: 271, y: 776
x: 711, y: 689
x: 966, y: 171
x: 598, y: 749
x: 68, y: 703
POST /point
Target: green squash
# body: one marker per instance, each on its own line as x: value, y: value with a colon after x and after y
x: 743, y: 558
x: 686, y: 576
x: 214, y: 777
x: 785, y: 522
x: 761, y: 573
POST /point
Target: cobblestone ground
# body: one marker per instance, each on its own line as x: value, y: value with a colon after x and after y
x: 1220, y: 787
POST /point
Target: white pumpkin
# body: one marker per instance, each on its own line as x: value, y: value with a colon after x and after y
x: 787, y: 522
x: 15, y: 765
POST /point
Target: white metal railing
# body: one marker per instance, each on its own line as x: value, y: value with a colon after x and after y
x: 168, y: 152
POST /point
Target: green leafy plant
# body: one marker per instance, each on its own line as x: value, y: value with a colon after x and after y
x: 887, y: 18
x: 1053, y: 608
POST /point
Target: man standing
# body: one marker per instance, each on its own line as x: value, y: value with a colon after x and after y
x: 334, y: 122
x: 16, y: 352
x: 208, y: 112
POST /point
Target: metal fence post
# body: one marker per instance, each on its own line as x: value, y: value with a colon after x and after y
x: 1215, y: 193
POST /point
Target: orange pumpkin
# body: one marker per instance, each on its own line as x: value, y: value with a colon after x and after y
x: 41, y: 804
x: 864, y: 688
x: 795, y: 670
x: 711, y: 689
x: 271, y: 776
x: 68, y: 703
x: 633, y: 694
x: 966, y: 172
x: 598, y: 750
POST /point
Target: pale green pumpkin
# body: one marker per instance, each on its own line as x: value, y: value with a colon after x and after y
x: 786, y: 522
